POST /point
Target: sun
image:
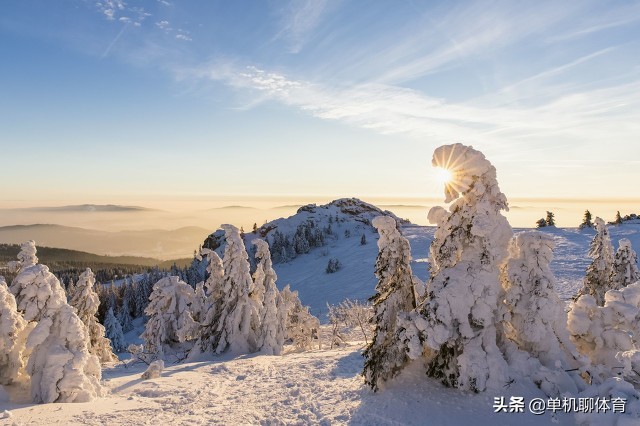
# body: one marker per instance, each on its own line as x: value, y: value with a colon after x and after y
x: 443, y: 175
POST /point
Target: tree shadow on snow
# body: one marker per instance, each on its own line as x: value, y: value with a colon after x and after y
x: 349, y: 366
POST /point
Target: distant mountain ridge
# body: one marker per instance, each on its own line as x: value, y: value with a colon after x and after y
x: 86, y: 208
x: 157, y: 243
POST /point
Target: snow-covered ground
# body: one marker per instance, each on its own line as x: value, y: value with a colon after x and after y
x: 319, y: 387
x: 316, y: 387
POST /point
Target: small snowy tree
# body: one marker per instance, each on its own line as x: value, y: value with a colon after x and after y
x: 238, y: 319
x: 198, y: 303
x: 60, y: 365
x: 457, y: 321
x: 387, y: 354
x: 302, y: 327
x: 599, y: 273
x: 273, y: 313
x: 13, y: 338
x: 534, y: 318
x: 625, y: 265
x: 550, y: 219
x: 26, y: 257
x: 169, y: 313
x: 86, y: 302
x: 586, y: 220
x: 113, y: 332
x: 541, y: 223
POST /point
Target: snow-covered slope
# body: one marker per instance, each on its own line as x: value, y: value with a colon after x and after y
x: 355, y: 280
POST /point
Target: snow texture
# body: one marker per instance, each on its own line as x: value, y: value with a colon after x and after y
x: 395, y: 294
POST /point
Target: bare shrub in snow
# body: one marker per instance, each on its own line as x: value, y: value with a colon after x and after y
x: 600, y: 271
x: 395, y: 294
x: 302, y: 327
x: 86, y: 302
x: 170, y: 321
x: 457, y: 319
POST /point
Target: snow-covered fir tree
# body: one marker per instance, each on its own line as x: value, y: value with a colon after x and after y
x: 273, y: 310
x: 198, y: 303
x: 609, y: 335
x: 85, y: 300
x: 125, y: 319
x: 302, y: 327
x: 457, y: 320
x: 26, y: 257
x: 599, y: 273
x: 387, y: 354
x: 534, y: 319
x: 238, y: 321
x: 169, y: 313
x: 625, y: 265
x: 586, y: 220
x: 73, y: 374
x: 550, y: 219
x: 214, y: 298
x: 13, y: 338
x: 114, y: 332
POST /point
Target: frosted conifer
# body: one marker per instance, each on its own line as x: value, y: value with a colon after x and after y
x: 86, y: 302
x: 114, y: 332
x: 458, y: 318
x: 273, y: 313
x: 387, y: 354
x: 238, y: 320
x: 599, y: 273
x: 302, y: 327
x: 214, y: 291
x: 169, y: 313
x: 13, y: 338
x: 625, y: 265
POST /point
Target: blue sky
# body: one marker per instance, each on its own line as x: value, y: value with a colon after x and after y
x: 105, y: 101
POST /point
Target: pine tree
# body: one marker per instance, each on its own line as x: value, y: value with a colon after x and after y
x: 586, y: 220
x: 169, y: 313
x: 386, y: 354
x: 625, y: 265
x: 541, y: 223
x: 618, y: 219
x: 198, y: 303
x: 550, y: 219
x: 238, y: 318
x: 114, y: 332
x: 73, y: 374
x: 85, y: 300
x: 255, y: 228
x: 125, y: 319
x: 534, y: 319
x: 214, y: 291
x: 273, y: 313
x: 457, y: 321
x: 599, y: 273
x: 13, y: 338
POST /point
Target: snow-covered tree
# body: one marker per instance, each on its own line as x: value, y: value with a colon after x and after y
x: 457, y: 320
x: 387, y: 354
x: 169, y: 313
x: 625, y: 265
x: 273, y: 310
x: 534, y: 318
x: 26, y: 257
x: 214, y: 291
x: 550, y: 219
x: 541, y: 223
x: 238, y: 320
x: 86, y: 302
x: 13, y: 338
x: 114, y: 332
x: 198, y: 303
x: 60, y: 365
x: 125, y: 319
x: 608, y: 334
x: 586, y: 220
x: 600, y: 271
x: 302, y: 327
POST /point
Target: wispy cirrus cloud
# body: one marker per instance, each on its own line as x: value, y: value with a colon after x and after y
x: 298, y: 21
